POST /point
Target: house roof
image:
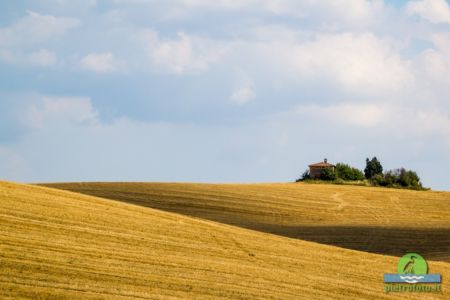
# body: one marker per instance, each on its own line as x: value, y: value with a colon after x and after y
x: 322, y: 164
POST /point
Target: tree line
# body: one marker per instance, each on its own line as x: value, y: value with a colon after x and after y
x: 373, y: 175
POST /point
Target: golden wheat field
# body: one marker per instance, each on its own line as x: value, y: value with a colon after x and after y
x: 208, y: 241
x: 378, y: 220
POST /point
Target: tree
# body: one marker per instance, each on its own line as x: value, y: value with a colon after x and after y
x: 345, y: 172
x: 373, y: 167
x: 327, y: 174
x: 304, y: 176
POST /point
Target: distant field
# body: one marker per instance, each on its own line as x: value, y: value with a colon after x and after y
x: 377, y: 220
x: 61, y: 245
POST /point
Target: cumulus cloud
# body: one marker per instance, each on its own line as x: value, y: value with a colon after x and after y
x: 434, y: 11
x: 100, y: 62
x: 361, y: 63
x: 183, y: 54
x: 436, y: 60
x: 396, y: 119
x: 80, y: 2
x: 365, y: 115
x: 355, y: 63
x: 35, y: 28
x: 18, y: 41
x: 335, y: 13
x: 60, y: 110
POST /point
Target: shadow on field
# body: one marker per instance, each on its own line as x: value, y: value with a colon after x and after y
x: 433, y: 244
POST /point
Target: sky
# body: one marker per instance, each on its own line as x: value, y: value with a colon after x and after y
x: 222, y: 91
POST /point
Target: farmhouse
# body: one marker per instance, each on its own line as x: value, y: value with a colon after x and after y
x: 316, y: 169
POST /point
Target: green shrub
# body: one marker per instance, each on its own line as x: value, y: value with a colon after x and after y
x: 398, y: 178
x: 408, y: 178
x: 390, y: 178
x: 378, y: 180
x: 327, y: 174
x: 345, y: 172
x: 304, y: 176
x: 339, y: 181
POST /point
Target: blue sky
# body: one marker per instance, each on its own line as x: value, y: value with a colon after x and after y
x: 222, y: 91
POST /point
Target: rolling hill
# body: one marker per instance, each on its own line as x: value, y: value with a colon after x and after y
x: 63, y: 245
x: 377, y: 220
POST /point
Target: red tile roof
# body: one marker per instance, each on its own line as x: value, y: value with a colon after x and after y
x: 322, y: 164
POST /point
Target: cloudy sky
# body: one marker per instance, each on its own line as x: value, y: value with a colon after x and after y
x: 222, y: 91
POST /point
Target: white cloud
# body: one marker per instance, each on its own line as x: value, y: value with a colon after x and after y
x: 35, y: 28
x: 359, y: 62
x: 366, y: 115
x: 435, y: 11
x: 436, y: 60
x: 101, y: 62
x: 60, y: 110
x: 339, y: 12
x: 411, y: 122
x: 18, y: 42
x: 88, y: 3
x: 336, y: 12
x: 436, y: 64
x: 362, y: 64
x: 230, y: 4
x: 184, y: 54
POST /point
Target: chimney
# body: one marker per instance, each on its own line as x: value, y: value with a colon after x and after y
x: 325, y: 160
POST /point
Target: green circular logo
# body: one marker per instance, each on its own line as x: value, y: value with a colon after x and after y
x: 412, y: 263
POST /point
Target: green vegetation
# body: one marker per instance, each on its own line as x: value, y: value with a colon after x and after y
x: 348, y: 173
x: 373, y: 176
x: 373, y: 167
x: 398, y: 178
x: 341, y: 174
x: 305, y: 176
x: 328, y: 174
